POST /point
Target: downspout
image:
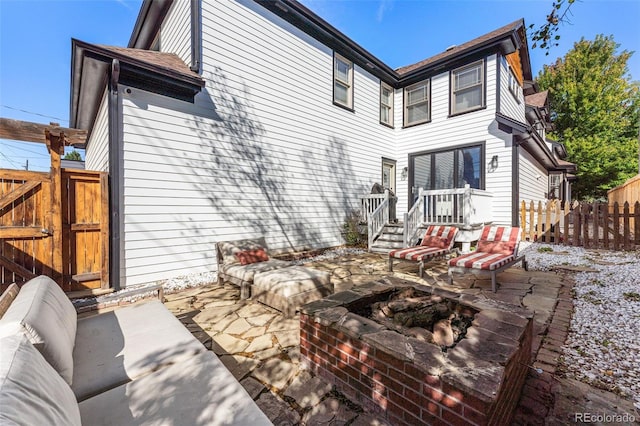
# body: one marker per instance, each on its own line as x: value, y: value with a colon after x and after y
x: 196, y: 40
x: 515, y: 189
x: 115, y: 158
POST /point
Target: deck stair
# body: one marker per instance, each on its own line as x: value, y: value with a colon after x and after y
x: 390, y: 238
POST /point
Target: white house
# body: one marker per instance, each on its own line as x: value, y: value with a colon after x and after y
x: 231, y: 119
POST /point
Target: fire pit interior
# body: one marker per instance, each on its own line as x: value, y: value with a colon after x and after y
x: 414, y: 354
x: 427, y: 317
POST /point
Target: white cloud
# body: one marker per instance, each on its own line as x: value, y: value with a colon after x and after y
x: 384, y: 6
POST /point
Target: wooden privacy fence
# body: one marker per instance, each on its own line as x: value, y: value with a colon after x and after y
x: 56, y: 223
x: 68, y: 242
x: 589, y: 225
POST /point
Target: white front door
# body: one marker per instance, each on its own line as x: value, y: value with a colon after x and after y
x: 389, y: 175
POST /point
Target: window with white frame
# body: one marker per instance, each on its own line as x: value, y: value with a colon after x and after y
x: 467, y: 88
x: 416, y: 103
x: 555, y: 186
x: 386, y: 104
x: 342, y: 81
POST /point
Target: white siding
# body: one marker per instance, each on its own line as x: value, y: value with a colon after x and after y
x: 534, y: 179
x: 97, y: 151
x: 464, y: 129
x: 510, y: 105
x: 175, y: 33
x: 263, y: 152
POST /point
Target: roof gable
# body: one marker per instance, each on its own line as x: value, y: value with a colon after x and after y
x: 158, y: 72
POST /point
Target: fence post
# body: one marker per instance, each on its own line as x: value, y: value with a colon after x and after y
x: 585, y: 225
x: 577, y: 222
x: 636, y: 223
x: 104, y: 229
x: 55, y: 146
x: 539, y: 229
x: 566, y: 210
x: 605, y: 226
x: 616, y: 226
x: 531, y: 222
x: 523, y: 220
x: 626, y: 230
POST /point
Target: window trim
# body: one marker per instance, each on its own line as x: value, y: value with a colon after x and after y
x: 384, y: 85
x: 350, y: 87
x: 482, y: 63
x: 405, y: 107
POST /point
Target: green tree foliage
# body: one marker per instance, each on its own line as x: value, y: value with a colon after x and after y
x: 595, y: 110
x: 73, y: 155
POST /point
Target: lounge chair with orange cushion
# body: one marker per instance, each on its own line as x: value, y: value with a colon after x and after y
x: 496, y: 251
x: 437, y: 241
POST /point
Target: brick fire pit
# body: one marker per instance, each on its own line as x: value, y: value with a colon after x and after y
x: 410, y: 381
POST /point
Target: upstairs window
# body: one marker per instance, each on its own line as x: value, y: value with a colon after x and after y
x: 342, y: 81
x: 514, y: 86
x: 386, y: 104
x: 416, y: 103
x: 467, y: 88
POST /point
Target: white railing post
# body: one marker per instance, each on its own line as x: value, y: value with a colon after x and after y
x: 413, y: 219
x: 376, y: 221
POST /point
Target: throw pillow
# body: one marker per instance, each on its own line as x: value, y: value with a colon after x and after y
x: 252, y: 256
x: 434, y: 241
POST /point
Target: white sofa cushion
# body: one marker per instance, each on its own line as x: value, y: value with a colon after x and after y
x: 118, y: 346
x: 47, y: 317
x: 198, y: 391
x: 31, y: 391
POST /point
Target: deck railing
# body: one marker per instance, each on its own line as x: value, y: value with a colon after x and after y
x: 369, y: 203
x: 413, y: 219
x: 377, y: 220
x: 463, y: 207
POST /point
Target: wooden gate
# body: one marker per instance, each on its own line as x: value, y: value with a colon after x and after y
x: 56, y: 223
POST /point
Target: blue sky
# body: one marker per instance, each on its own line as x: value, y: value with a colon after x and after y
x: 35, y: 42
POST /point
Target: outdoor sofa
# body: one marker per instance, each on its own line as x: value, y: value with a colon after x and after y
x: 276, y: 283
x: 136, y: 365
x: 240, y: 260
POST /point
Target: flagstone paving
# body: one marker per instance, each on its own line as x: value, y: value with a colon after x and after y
x: 261, y: 347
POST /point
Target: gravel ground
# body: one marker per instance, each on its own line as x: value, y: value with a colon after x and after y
x: 603, y: 346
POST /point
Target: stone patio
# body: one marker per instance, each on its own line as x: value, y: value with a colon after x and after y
x: 261, y: 348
